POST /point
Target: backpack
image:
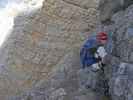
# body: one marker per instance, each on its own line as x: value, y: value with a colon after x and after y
x: 87, y: 52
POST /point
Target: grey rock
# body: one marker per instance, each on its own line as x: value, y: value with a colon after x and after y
x: 129, y: 97
x: 57, y: 94
x: 88, y: 79
x: 45, y: 55
x: 109, y: 7
x: 40, y: 45
x: 120, y: 83
x: 129, y: 32
x: 119, y: 64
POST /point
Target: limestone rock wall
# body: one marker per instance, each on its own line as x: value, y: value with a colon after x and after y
x: 109, y: 7
x: 40, y: 59
x: 120, y: 62
x: 41, y: 40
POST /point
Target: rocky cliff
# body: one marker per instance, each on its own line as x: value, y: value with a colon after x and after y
x: 40, y: 59
x: 44, y: 46
x: 120, y: 63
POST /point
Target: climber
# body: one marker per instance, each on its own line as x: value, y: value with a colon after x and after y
x: 93, y: 52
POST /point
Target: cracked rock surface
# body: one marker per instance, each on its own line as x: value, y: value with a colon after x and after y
x: 44, y: 46
x: 120, y: 61
x: 40, y: 59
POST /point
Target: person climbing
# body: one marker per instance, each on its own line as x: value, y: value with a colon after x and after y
x: 92, y: 55
x: 93, y: 52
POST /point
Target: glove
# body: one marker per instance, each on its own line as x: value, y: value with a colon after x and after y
x: 96, y: 55
x: 95, y: 67
x: 101, y: 52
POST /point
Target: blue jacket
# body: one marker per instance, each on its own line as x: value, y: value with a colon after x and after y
x: 86, y: 57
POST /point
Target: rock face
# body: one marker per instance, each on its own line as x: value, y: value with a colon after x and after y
x: 109, y: 7
x: 120, y: 64
x: 44, y: 46
x: 116, y: 81
x: 40, y: 59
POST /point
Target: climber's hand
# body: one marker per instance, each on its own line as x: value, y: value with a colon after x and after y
x: 101, y: 52
x: 95, y: 67
x: 96, y: 55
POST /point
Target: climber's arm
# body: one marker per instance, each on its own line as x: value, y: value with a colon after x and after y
x: 109, y: 59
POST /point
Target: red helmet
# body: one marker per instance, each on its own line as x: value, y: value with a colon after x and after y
x: 102, y: 36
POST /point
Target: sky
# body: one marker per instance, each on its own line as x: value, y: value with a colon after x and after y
x: 3, y: 3
x: 6, y: 21
x: 9, y: 9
